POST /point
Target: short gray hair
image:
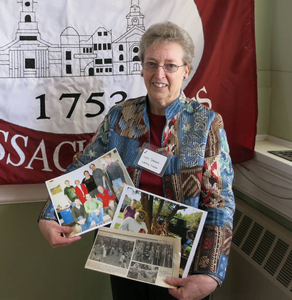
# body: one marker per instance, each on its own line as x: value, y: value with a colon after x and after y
x: 167, y: 32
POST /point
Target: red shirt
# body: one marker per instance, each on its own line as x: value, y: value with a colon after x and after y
x: 105, y: 197
x: 81, y: 192
x: 150, y: 182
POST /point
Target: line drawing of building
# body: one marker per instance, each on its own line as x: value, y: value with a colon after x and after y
x: 28, y: 56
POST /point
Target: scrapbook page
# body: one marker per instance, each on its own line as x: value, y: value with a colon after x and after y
x: 135, y: 256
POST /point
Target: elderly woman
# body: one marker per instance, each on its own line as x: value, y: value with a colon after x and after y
x: 199, y: 172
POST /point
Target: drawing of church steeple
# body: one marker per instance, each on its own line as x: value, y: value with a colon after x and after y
x: 28, y: 26
x: 28, y: 53
x: 135, y: 18
x: 127, y: 45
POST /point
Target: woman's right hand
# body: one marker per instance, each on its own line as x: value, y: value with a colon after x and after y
x: 53, y: 232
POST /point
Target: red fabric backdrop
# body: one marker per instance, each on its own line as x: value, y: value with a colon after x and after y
x: 228, y: 70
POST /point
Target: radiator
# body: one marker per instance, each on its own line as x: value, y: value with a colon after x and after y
x: 260, y: 265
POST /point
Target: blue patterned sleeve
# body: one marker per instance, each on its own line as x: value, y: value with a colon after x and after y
x: 217, y: 199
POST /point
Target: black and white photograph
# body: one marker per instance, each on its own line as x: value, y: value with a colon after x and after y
x: 153, y: 253
x: 143, y: 272
x: 112, y: 251
x: 137, y: 256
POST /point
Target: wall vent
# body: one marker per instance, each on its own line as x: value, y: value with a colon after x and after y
x: 285, y: 275
x: 263, y: 248
x: 265, y: 244
x: 242, y: 230
x: 252, y: 238
x: 276, y: 257
x: 236, y: 217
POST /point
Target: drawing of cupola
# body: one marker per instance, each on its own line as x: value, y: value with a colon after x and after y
x: 135, y: 18
x: 70, y: 49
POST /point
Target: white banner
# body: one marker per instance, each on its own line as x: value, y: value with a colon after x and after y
x: 64, y: 63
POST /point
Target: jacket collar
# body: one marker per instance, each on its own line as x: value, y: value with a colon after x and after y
x: 172, y: 109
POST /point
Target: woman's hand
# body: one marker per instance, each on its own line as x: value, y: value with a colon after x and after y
x: 53, y: 232
x: 194, y: 287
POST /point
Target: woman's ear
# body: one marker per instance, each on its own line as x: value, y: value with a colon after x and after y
x: 187, y: 72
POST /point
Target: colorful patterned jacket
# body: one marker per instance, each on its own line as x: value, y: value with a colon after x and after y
x: 199, y: 174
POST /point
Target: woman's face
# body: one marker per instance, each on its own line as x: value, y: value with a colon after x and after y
x: 163, y: 88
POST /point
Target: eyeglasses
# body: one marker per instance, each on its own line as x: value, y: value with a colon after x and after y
x: 152, y: 67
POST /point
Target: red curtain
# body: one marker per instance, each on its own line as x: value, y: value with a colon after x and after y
x: 228, y: 70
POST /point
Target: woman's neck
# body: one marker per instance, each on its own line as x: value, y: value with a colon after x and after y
x: 156, y: 108
x: 159, y: 111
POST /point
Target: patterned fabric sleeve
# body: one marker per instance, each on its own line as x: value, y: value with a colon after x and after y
x: 218, y: 200
x: 95, y: 148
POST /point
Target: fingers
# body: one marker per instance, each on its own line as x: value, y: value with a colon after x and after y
x: 176, y: 293
x: 53, y: 232
x: 176, y: 281
x: 64, y: 241
x: 193, y: 287
x: 67, y: 229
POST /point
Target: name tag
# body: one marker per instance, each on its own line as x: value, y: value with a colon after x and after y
x: 152, y: 161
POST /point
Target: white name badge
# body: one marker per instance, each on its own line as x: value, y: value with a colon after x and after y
x: 152, y: 161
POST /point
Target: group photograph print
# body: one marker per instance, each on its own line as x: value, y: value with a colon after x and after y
x: 87, y: 198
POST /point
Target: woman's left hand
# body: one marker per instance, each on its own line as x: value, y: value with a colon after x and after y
x: 193, y: 287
